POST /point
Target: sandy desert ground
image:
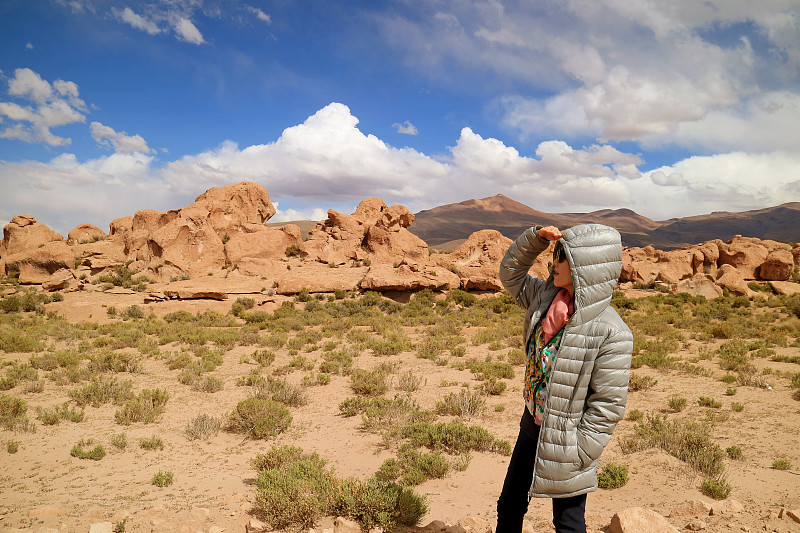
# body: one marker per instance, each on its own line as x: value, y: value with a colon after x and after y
x: 43, y: 486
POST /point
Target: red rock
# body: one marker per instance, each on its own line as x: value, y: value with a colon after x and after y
x: 778, y: 266
x: 120, y: 226
x: 745, y: 254
x: 785, y: 287
x: 477, y: 260
x: 344, y: 279
x: 639, y: 520
x: 60, y: 279
x: 24, y: 234
x: 698, y: 285
x: 84, y: 233
x: 691, y: 508
x: 266, y: 268
x: 794, y: 514
x: 730, y: 279
x: 262, y: 242
x: 382, y: 277
x: 674, y: 265
x: 38, y: 264
x: 190, y: 294
x: 726, y: 507
x: 232, y: 206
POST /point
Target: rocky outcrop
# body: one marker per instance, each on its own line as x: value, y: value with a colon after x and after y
x: 638, y: 520
x: 778, y: 265
x: 409, y: 277
x: 24, y: 233
x: 732, y: 281
x: 257, y: 241
x: 699, y: 285
x: 477, y: 260
x: 85, y: 233
x: 745, y: 254
x: 60, y: 279
x: 374, y: 231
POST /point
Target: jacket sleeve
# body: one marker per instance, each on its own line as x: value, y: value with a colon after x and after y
x: 605, y: 405
x: 517, y: 262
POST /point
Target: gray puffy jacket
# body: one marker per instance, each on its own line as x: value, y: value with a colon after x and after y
x: 589, y: 382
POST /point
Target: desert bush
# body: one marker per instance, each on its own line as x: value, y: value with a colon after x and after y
x: 412, y: 467
x: 146, y: 407
x: 123, y: 277
x: 408, y: 381
x: 80, y: 451
x: 466, y: 404
x: 12, y: 446
x: 115, y: 362
x: 734, y: 452
x: 202, y: 426
x: 677, y: 403
x: 493, y: 386
x: 737, y: 407
x: 207, y: 384
x: 119, y: 441
x: 281, y: 391
x: 454, y: 437
x: 53, y: 415
x: 151, y: 443
x: 716, y: 487
x: 242, y: 304
x: 705, y: 401
x: 636, y: 415
x: 641, y: 383
x: 259, y: 418
x: 612, y: 476
x: 263, y: 357
x: 686, y: 440
x: 486, y: 370
x: 133, y: 312
x: 781, y: 464
x: 288, y: 474
x: 162, y: 479
x: 369, y: 382
x: 13, y: 413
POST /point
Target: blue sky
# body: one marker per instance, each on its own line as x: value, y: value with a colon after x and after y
x: 670, y: 108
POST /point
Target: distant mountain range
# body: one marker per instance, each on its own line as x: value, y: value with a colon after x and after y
x: 446, y: 226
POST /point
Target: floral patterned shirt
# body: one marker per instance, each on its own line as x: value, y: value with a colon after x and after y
x: 540, y: 358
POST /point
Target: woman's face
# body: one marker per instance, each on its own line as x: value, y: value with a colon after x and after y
x: 562, y: 277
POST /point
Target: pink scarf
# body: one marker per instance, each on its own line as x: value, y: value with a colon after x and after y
x: 558, y: 314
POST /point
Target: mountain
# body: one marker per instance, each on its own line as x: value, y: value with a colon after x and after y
x: 446, y: 226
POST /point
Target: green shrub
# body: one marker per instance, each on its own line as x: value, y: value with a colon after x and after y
x: 717, y: 488
x: 13, y: 413
x: 280, y: 390
x: 119, y: 441
x: 151, y: 443
x: 12, y: 446
x: 641, y: 383
x: 612, y: 476
x: 781, y: 464
x: 412, y: 467
x: 465, y: 404
x: 737, y: 407
x: 259, y: 418
x: 734, y: 452
x: 101, y: 391
x: 146, y: 407
x: 677, y: 403
x: 285, y: 473
x: 79, y: 451
x: 202, y: 427
x: 162, y: 479
x: 636, y: 415
x: 454, y: 437
x: 369, y: 383
x: 705, y: 401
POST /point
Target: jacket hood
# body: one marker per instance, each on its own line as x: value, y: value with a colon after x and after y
x: 594, y: 252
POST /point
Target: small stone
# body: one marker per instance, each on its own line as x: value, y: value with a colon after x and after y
x: 436, y: 525
x: 345, y: 525
x: 255, y: 526
x: 47, y: 530
x: 455, y: 529
x: 638, y: 520
x: 101, y: 527
x: 726, y: 507
x: 216, y: 529
x: 696, y: 525
x: 692, y: 508
x: 376, y: 530
x: 794, y: 514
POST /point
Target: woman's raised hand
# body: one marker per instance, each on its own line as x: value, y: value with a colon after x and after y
x: 551, y: 233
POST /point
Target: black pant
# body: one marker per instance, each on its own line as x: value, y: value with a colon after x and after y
x: 568, y: 513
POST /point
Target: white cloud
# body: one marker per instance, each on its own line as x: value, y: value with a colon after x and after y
x: 136, y: 21
x: 406, y: 128
x: 54, y: 105
x: 120, y: 141
x: 327, y: 162
x: 264, y: 17
x: 187, y: 31
x: 28, y: 46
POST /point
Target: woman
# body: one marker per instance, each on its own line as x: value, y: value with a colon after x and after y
x: 576, y: 380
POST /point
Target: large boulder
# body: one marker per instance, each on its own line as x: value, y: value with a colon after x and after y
x: 639, y: 520
x: 85, y: 233
x: 639, y: 265
x: 477, y: 260
x: 778, y: 265
x: 745, y: 254
x: 261, y: 242
x: 374, y: 231
x: 24, y: 234
x: 785, y: 287
x: 705, y: 257
x: 409, y: 277
x: 675, y: 265
x: 698, y: 285
x: 60, y: 279
x: 37, y: 265
x: 231, y: 207
x: 731, y: 279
